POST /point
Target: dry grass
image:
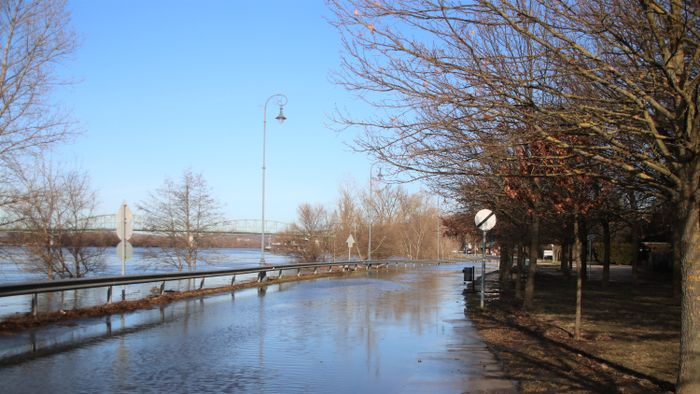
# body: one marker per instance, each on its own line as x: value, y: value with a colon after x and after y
x: 630, y: 338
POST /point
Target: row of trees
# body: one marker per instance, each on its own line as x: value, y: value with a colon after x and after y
x: 55, y: 213
x: 54, y: 219
x: 560, y: 111
x: 401, y: 224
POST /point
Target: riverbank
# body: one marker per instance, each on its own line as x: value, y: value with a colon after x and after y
x: 631, y: 334
x: 25, y: 321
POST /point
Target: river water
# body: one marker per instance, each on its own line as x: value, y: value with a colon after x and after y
x: 143, y: 261
x: 140, y: 263
x: 397, y: 330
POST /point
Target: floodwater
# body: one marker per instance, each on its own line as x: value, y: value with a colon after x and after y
x: 144, y: 261
x: 215, y: 259
x: 401, y: 330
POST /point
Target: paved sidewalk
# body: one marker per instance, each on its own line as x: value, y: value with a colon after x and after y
x: 465, y: 364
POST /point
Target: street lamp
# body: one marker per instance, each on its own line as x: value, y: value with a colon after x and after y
x: 438, y: 226
x: 371, y: 203
x: 281, y: 101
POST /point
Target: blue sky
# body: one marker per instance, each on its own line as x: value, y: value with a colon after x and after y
x: 161, y: 86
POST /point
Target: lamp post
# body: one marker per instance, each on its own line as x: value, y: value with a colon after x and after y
x: 371, y: 203
x: 281, y: 101
x: 438, y: 226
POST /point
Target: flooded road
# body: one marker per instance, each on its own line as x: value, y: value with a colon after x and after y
x: 402, y: 330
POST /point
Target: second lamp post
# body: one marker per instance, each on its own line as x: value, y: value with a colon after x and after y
x: 281, y: 101
x: 371, y: 206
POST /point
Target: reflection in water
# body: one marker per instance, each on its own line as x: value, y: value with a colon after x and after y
x: 374, y: 332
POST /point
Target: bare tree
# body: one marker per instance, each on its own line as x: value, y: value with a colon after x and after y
x: 182, y: 212
x: 309, y: 239
x: 55, y: 213
x: 416, y: 223
x: 403, y: 224
x: 34, y: 37
x: 347, y: 219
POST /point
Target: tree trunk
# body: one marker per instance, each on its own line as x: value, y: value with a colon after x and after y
x: 636, y: 243
x: 563, y: 263
x: 677, y: 256
x: 605, y: 223
x: 532, y: 268
x: 583, y: 239
x: 579, y: 256
x: 636, y: 229
x: 504, y: 267
x: 518, y: 277
x: 689, y: 215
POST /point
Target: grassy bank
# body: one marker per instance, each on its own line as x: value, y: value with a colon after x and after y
x: 630, y: 335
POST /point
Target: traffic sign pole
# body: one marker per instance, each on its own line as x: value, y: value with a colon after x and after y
x: 350, y: 241
x: 485, y: 220
x: 124, y: 231
x: 483, y: 272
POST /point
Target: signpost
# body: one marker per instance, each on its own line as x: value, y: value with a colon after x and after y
x: 125, y: 229
x: 485, y: 220
x: 350, y: 241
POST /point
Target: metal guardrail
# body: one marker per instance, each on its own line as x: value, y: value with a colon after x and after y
x: 47, y: 286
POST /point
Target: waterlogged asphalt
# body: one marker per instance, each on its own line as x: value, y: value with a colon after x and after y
x: 396, y: 331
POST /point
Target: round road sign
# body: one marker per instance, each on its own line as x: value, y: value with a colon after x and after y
x: 485, y: 220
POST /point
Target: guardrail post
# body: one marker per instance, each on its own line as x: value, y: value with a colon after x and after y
x: 315, y: 270
x: 201, y: 284
x: 330, y: 268
x: 298, y: 272
x: 109, y: 295
x: 162, y: 288
x: 35, y: 302
x: 279, y: 274
x: 233, y: 279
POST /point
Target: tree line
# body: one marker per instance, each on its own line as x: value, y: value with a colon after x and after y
x: 555, y: 114
x: 400, y: 224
